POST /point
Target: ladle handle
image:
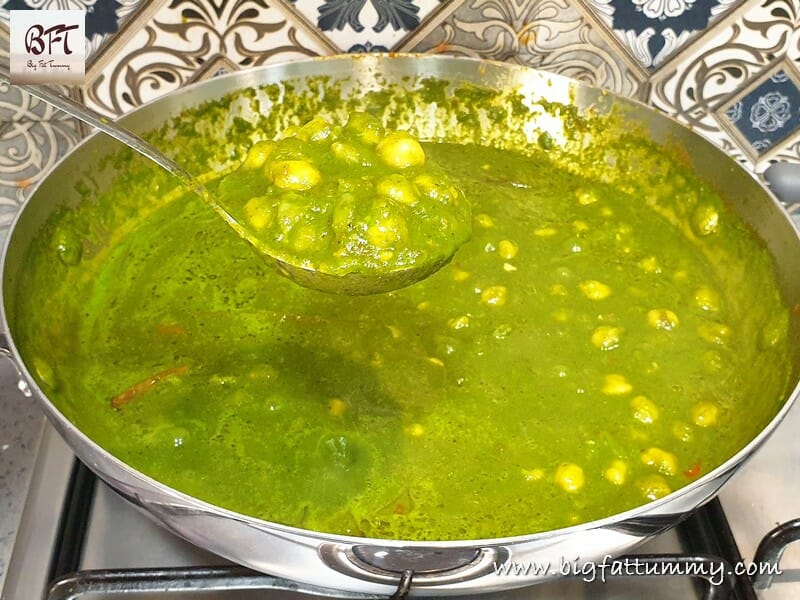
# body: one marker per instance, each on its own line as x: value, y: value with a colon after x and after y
x: 98, y: 121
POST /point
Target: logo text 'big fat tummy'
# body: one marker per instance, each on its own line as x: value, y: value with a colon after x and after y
x: 47, y: 46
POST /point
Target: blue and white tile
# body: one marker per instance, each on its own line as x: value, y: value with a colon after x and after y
x: 366, y: 25
x: 186, y: 40
x: 553, y: 35
x: 767, y: 113
x: 654, y: 30
x: 730, y: 56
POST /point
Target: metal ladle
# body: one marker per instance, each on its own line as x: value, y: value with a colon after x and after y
x: 353, y: 283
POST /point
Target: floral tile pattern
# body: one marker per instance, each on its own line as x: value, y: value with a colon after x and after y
x: 365, y: 25
x: 188, y: 40
x: 735, y: 52
x: 769, y: 113
x: 653, y: 30
x: 547, y: 34
x: 33, y: 136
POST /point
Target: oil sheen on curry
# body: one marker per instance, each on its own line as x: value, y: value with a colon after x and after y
x: 607, y: 335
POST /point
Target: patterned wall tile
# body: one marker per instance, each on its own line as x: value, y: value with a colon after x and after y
x: 187, y: 40
x: 366, y: 25
x: 548, y: 34
x: 765, y: 114
x: 33, y: 136
x: 653, y: 30
x: 734, y: 53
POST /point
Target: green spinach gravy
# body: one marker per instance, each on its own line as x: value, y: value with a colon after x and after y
x: 591, y: 348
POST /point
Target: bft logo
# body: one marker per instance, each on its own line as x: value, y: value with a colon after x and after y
x: 37, y: 38
x: 47, y: 46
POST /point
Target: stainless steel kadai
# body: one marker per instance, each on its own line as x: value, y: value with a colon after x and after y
x: 373, y: 565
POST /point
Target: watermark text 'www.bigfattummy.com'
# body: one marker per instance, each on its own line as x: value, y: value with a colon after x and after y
x: 591, y: 571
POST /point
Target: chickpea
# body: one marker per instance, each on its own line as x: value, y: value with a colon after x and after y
x: 290, y: 148
x: 298, y: 175
x: 289, y: 213
x: 349, y: 154
x: 316, y: 130
x: 364, y: 126
x: 606, y: 337
x: 594, y: 290
x: 400, y: 150
x: 501, y: 332
x: 67, y: 246
x: 562, y: 315
x: 644, y: 410
x: 705, y: 220
x: 664, y: 461
x: 507, y: 249
x: 494, y: 295
x: 387, y: 231
x: 415, y: 430
x: 258, y: 155
x: 586, y: 197
x: 661, y: 318
x: 258, y: 212
x: 654, y: 487
x: 705, y: 414
x: 398, y: 188
x: 774, y: 331
x: 533, y: 474
x: 484, y: 221
x: 712, y: 361
x: 715, y: 332
x: 440, y: 191
x: 336, y: 407
x: 617, y: 472
x: 650, y: 264
x: 461, y: 322
x: 616, y: 385
x: 569, y: 477
x: 580, y: 226
x: 545, y: 232
x: 682, y: 431
x: 304, y: 237
x: 707, y: 298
